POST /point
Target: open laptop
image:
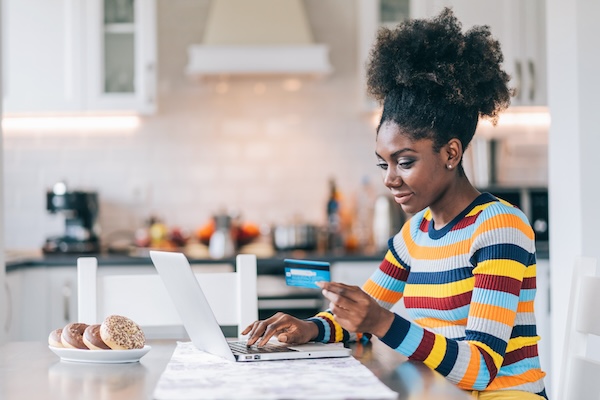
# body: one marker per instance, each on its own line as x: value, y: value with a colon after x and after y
x: 201, y: 324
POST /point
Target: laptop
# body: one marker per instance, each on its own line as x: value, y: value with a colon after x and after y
x: 202, y: 327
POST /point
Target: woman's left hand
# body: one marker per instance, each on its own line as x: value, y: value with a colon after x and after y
x: 355, y: 310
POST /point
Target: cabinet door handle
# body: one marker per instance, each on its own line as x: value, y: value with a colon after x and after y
x: 9, y: 307
x: 150, y: 88
x: 519, y: 75
x: 66, y: 292
x: 532, y: 87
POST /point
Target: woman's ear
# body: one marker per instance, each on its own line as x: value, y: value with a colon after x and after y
x: 454, y: 152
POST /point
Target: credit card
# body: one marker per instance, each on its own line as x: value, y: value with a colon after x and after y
x: 304, y: 273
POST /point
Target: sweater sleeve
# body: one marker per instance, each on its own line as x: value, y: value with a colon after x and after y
x: 385, y: 285
x: 502, y: 258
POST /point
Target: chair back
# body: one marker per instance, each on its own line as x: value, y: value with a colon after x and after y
x: 144, y: 298
x: 580, y: 378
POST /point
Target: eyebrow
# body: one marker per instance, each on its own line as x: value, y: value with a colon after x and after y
x: 397, y: 152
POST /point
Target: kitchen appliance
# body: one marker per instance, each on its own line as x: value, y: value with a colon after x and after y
x: 295, y: 236
x: 221, y: 243
x: 259, y: 37
x: 533, y: 201
x: 80, y: 210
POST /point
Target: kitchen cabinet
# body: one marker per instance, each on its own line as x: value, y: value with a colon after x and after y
x: 67, y: 57
x: 42, y: 64
x: 372, y: 15
x: 520, y: 26
x: 28, y: 293
x: 121, y: 55
x: 44, y: 298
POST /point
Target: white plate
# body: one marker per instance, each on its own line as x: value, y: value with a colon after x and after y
x: 100, y: 356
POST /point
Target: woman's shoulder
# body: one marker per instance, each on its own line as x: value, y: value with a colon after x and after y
x: 491, y: 206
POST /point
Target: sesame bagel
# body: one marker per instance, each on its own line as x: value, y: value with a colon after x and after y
x: 121, y: 333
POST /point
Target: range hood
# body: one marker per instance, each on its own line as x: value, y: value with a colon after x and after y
x: 258, y: 37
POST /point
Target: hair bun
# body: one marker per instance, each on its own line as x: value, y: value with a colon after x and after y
x: 434, y: 58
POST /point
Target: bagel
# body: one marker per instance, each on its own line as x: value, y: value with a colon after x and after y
x: 92, y: 339
x: 54, y: 338
x: 72, y: 336
x: 121, y: 333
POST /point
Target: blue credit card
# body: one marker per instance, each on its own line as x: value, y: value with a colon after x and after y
x: 304, y: 273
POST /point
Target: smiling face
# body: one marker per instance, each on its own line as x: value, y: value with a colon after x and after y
x: 416, y: 175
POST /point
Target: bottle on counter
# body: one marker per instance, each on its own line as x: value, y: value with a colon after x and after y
x: 334, y: 218
x: 221, y: 244
x: 363, y: 218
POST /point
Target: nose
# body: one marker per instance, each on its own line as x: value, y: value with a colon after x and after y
x: 391, y: 178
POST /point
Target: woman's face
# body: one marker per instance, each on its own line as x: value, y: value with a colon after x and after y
x: 416, y: 175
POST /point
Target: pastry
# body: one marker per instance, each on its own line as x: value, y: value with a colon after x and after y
x: 72, y: 336
x: 54, y: 338
x: 121, y: 333
x: 92, y: 339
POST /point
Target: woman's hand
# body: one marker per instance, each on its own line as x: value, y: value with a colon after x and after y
x: 286, y: 328
x: 355, y: 310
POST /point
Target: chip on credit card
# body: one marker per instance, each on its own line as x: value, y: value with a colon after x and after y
x: 305, y: 273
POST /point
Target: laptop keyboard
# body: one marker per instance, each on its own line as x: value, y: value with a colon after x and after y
x: 241, y: 348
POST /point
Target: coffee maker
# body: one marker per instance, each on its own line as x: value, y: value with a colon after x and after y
x: 81, y: 211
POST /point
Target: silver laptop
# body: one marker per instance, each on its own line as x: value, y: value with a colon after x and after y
x: 201, y: 324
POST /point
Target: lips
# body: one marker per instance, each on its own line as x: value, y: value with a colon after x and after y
x: 402, y: 198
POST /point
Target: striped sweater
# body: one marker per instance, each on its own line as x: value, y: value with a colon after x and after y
x: 469, y: 289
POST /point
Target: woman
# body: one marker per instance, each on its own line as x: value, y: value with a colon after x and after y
x: 465, y: 262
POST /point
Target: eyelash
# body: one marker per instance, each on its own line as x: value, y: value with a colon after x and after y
x: 403, y: 165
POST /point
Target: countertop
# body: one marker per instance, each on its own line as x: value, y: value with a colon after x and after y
x: 266, y: 266
x: 31, y: 370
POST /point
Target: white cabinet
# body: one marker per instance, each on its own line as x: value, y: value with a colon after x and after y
x: 520, y: 26
x: 121, y: 55
x: 71, y: 56
x: 543, y: 316
x: 373, y: 14
x: 44, y: 298
x: 28, y: 291
x: 42, y: 63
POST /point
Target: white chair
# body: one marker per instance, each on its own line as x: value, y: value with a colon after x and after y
x: 580, y: 378
x: 144, y: 299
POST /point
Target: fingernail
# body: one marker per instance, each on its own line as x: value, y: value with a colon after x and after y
x: 320, y: 284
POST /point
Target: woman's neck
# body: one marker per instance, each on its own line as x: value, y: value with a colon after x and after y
x: 453, y: 202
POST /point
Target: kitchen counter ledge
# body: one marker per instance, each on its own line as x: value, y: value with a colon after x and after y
x: 266, y: 266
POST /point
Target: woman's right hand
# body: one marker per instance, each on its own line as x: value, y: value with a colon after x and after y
x: 286, y: 328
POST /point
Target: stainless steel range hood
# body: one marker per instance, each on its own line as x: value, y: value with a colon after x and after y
x: 258, y: 37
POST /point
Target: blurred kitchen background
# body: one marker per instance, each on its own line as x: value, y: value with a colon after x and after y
x: 112, y: 106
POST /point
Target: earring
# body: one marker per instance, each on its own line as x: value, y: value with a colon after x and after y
x: 449, y: 166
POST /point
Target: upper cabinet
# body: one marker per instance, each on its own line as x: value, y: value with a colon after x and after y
x: 121, y: 55
x: 519, y: 25
x: 70, y: 56
x: 372, y: 15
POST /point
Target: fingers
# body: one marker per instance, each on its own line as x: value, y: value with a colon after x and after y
x: 260, y: 332
x: 342, y: 295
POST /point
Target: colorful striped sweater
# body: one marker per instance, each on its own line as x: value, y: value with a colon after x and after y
x: 469, y: 289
